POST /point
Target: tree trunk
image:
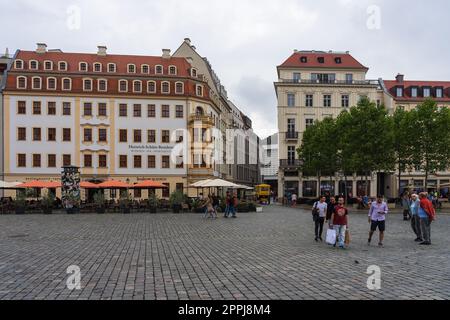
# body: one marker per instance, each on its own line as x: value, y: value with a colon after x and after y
x: 399, y: 179
x: 319, y: 191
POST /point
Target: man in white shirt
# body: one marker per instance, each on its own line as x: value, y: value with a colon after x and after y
x: 294, y: 200
x: 321, y: 208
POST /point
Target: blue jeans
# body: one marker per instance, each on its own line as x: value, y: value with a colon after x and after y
x: 232, y: 211
x: 340, y: 233
x: 227, y: 210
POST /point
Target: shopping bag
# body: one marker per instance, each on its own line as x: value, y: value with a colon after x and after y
x: 331, y: 237
x: 347, y: 237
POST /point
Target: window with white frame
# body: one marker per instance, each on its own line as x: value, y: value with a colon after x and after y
x: 145, y: 68
x: 165, y: 87
x: 102, y: 85
x: 131, y: 68
x: 97, y: 67
x: 34, y: 65
x: 137, y: 86
x: 83, y: 67
x: 21, y: 82
x: 179, y: 88
x: 62, y: 66
x: 194, y: 72
x: 399, y: 92
x: 123, y: 85
x: 48, y: 65
x: 151, y: 86
x: 36, y: 83
x: 414, y: 92
x: 159, y: 69
x: 199, y: 90
x: 66, y: 84
x: 426, y: 92
x: 51, y: 83
x: 111, y: 67
x: 438, y: 92
x: 18, y: 64
x: 172, y: 70
x: 87, y: 84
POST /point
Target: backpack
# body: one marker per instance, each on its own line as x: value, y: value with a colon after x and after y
x: 315, y: 212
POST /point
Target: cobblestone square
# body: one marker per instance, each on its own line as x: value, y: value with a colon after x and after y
x: 269, y: 255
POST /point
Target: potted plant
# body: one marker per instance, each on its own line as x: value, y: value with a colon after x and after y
x: 125, y: 203
x: 48, y: 203
x: 153, y: 203
x: 21, y: 203
x: 99, y: 201
x: 176, y: 201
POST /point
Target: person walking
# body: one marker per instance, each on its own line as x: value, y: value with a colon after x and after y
x: 294, y: 200
x: 321, y: 207
x: 406, y: 203
x: 339, y: 222
x: 227, y: 204
x: 234, y: 205
x: 415, y: 219
x: 426, y: 215
x: 377, y: 219
x: 330, y: 209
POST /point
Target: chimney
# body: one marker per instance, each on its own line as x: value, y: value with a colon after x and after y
x: 166, y: 53
x: 187, y: 40
x: 101, y: 50
x: 295, y: 51
x: 41, y: 48
x: 400, y: 78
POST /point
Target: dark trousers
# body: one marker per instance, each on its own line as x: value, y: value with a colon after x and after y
x: 319, y: 226
x: 406, y: 214
x: 425, y: 227
x: 415, y: 224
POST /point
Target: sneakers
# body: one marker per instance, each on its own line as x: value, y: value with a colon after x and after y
x: 380, y: 244
x: 425, y: 243
x: 316, y: 239
x: 418, y: 240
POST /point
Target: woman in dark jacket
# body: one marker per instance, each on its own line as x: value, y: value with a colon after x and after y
x: 330, y: 208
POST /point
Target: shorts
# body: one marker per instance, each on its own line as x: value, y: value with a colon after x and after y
x: 381, y: 225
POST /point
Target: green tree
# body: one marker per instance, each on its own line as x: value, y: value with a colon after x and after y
x: 430, y: 150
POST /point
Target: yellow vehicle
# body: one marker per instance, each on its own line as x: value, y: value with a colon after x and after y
x: 263, y: 193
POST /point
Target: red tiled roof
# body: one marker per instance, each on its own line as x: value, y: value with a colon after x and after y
x: 121, y: 61
x: 347, y: 60
x: 391, y: 86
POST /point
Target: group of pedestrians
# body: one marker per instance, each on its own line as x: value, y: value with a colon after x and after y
x: 336, y: 215
x: 211, y: 205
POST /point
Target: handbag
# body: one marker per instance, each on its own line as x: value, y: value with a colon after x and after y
x: 315, y: 212
x: 347, y: 237
x: 331, y: 237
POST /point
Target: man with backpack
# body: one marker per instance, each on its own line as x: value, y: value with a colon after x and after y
x: 426, y: 215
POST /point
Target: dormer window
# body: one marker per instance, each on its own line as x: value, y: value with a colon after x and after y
x: 51, y: 83
x: 399, y: 91
x: 165, y: 87
x: 151, y: 87
x: 48, y: 65
x: 123, y: 85
x: 137, y: 86
x: 34, y: 65
x: 338, y: 60
x: 102, y: 85
x: 438, y: 92
x: 62, y: 66
x: 159, y: 69
x: 83, y: 67
x: 21, y: 82
x: 111, y: 67
x: 414, y: 92
x: 18, y: 64
x: 37, y: 83
x: 131, y: 68
x: 172, y: 70
x: 426, y: 92
x: 321, y: 59
x: 97, y: 67
x: 145, y: 68
x: 199, y: 91
x: 87, y: 84
x: 67, y: 84
x: 304, y: 59
x: 179, y: 88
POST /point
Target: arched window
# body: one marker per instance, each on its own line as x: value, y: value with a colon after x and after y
x: 151, y: 87
x: 159, y: 69
x: 131, y: 68
x: 18, y: 64
x: 123, y: 85
x: 102, y: 85
x: 199, y: 90
x: 87, y: 85
x: 37, y: 83
x: 21, y: 82
x: 179, y: 88
x: 67, y: 84
x: 34, y: 65
x: 62, y: 66
x: 137, y: 86
x: 165, y: 87
x: 83, y: 66
x: 194, y: 72
x: 97, y: 67
x: 48, y: 65
x: 172, y: 70
x: 199, y: 111
x: 111, y: 67
x: 145, y: 68
x: 51, y: 83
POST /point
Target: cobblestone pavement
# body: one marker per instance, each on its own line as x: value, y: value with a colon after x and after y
x: 270, y: 255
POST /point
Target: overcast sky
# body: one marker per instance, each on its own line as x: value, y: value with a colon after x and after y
x: 244, y: 39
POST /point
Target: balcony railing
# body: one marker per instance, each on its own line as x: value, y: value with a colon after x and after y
x: 289, y: 163
x: 292, y: 135
x: 201, y: 118
x: 333, y: 82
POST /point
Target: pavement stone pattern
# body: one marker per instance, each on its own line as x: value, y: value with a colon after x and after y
x: 269, y: 255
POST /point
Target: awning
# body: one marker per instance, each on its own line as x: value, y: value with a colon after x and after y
x: 219, y: 183
x: 10, y: 185
x: 114, y: 184
x: 40, y: 185
x: 88, y: 185
x: 149, y: 184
